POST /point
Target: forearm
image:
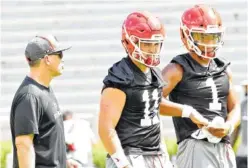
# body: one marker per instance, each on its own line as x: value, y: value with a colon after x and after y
x: 26, y: 156
x: 234, y: 116
x: 110, y: 139
x: 113, y: 146
x: 169, y: 108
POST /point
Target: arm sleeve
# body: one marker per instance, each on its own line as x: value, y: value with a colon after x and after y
x: 27, y: 115
x: 113, y: 86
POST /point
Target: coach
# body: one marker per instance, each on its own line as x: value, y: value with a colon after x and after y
x: 35, y: 119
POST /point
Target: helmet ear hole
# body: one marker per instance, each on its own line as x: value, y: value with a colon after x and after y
x: 182, y: 34
x: 124, y: 41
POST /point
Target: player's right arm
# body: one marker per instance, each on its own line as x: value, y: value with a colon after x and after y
x: 111, y: 105
x: 25, y: 151
x: 172, y: 75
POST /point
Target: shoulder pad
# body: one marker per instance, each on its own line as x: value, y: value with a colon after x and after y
x: 181, y: 60
x: 222, y: 62
x: 119, y: 75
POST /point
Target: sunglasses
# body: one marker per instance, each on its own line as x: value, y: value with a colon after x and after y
x: 60, y: 54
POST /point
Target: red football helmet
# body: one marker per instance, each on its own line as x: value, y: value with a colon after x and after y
x: 201, y: 31
x: 140, y: 28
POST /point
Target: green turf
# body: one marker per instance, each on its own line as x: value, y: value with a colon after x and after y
x: 5, y: 148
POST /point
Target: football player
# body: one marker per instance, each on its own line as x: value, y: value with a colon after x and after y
x: 129, y: 122
x: 202, y: 80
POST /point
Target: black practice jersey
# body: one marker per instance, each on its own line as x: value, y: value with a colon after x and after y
x: 139, y: 124
x: 204, y: 88
x: 35, y: 110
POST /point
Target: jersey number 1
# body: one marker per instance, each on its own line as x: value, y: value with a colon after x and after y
x: 214, y: 105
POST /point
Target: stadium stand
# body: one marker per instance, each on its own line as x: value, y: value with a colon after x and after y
x: 93, y: 28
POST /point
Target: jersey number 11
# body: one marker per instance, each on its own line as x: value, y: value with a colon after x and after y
x: 148, y: 119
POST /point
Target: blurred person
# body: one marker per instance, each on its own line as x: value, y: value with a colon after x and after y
x: 241, y: 156
x: 129, y: 122
x: 79, y: 139
x: 67, y: 115
x: 35, y: 119
x: 201, y: 80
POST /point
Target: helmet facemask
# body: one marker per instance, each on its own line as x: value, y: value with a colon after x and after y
x: 151, y: 57
x: 204, y: 42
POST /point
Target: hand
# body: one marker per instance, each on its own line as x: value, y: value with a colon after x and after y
x: 72, y: 164
x: 200, y: 125
x: 219, y: 132
x: 198, y: 119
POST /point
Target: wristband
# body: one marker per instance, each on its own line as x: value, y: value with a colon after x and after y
x: 120, y: 159
x: 187, y: 110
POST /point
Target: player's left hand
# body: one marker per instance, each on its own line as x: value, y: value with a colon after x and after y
x: 219, y: 132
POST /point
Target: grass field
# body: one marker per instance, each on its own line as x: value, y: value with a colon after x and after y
x: 99, y: 153
x: 5, y: 148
